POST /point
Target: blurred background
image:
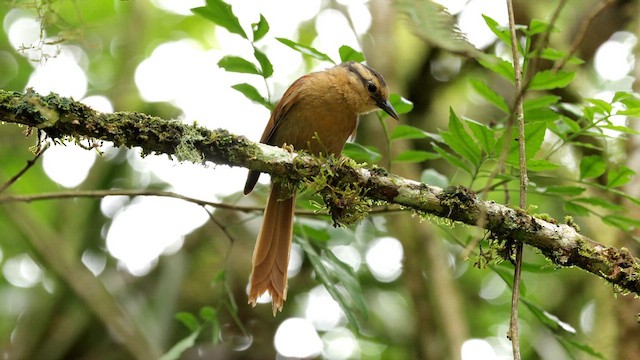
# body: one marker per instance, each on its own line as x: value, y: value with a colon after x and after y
x: 121, y: 277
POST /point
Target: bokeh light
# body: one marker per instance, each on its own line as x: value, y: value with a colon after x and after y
x: 22, y: 271
x: 68, y: 164
x: 296, y: 338
x: 149, y: 227
x: 473, y: 25
x: 614, y: 59
x: 340, y: 344
x: 477, y: 349
x: 322, y: 310
x: 384, y: 258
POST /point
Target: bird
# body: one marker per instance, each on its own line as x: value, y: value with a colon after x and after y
x: 317, y: 113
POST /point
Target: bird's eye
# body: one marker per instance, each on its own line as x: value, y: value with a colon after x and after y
x: 371, y: 87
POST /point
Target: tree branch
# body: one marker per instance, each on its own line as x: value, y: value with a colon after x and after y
x: 63, y: 118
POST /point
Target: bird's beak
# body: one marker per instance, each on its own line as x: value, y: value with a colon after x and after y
x: 386, y: 106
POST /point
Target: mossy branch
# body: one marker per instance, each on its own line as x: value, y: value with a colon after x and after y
x: 63, y: 118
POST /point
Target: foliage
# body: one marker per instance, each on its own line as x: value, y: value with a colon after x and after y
x: 475, y: 148
x: 466, y: 149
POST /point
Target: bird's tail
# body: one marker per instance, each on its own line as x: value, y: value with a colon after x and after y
x: 271, y: 254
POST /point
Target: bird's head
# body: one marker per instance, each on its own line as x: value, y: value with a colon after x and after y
x: 369, y: 91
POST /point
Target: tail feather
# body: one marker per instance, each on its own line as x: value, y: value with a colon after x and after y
x: 271, y: 254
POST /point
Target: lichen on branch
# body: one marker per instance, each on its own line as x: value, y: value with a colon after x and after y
x: 63, y: 118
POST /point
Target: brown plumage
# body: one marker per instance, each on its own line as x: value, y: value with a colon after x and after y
x: 317, y: 113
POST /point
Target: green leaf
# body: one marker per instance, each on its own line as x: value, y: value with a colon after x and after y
x: 266, y: 69
x: 630, y: 101
x: 589, y: 113
x: 622, y: 129
x: 549, y: 320
x: 586, y: 145
x: 460, y: 141
x: 452, y: 159
x: 484, y: 135
x: 360, y: 153
x: 400, y: 104
x: 622, y: 222
x: 592, y: 166
x: 541, y: 165
x: 600, y: 202
x: 500, y: 31
x: 339, y: 280
x: 253, y: 94
x: 499, y: 66
x: 621, y: 96
x: 220, y: 277
x: 555, y: 55
x: 575, y: 209
x: 434, y: 178
x: 319, y: 235
x: 564, y: 127
x: 548, y: 79
x: 306, y: 50
x: 238, y: 64
x: 564, y: 190
x: 619, y: 177
x: 623, y: 194
x: 185, y: 344
x: 633, y: 112
x: 189, y: 320
x: 541, y: 102
x: 260, y: 29
x: 347, y: 53
x: 534, y: 135
x: 526, y: 267
x: 572, y: 110
x: 488, y: 94
x: 506, y: 274
x: 546, y: 115
x: 222, y: 15
x: 541, y: 109
x: 433, y: 24
x: 537, y: 27
x: 601, y: 106
x: 208, y: 313
x: 571, y: 124
x: 407, y: 132
x: 568, y: 342
x: 347, y: 277
x: 415, y: 156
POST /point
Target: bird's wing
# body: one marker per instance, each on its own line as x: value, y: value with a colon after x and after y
x: 279, y: 113
x: 288, y: 101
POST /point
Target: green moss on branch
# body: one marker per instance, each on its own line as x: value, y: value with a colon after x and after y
x: 351, y: 188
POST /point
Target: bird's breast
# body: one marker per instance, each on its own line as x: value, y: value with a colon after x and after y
x: 317, y: 125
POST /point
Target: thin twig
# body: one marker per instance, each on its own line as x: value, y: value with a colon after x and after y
x: 582, y: 33
x: 28, y: 166
x: 500, y: 168
x: 229, y: 302
x: 220, y: 225
x: 519, y: 117
x: 542, y: 43
x: 121, y: 192
x: 539, y: 46
x: 73, y: 194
